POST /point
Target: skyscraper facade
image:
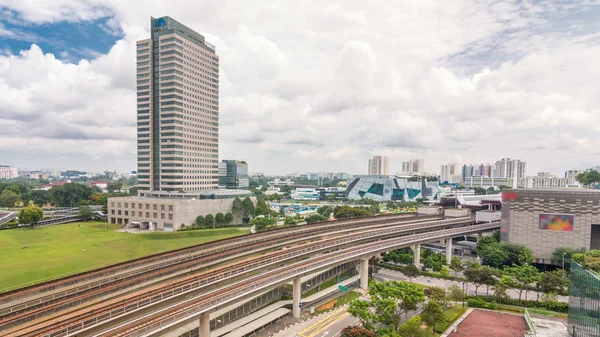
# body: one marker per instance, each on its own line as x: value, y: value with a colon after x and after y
x: 177, y: 109
x: 378, y: 166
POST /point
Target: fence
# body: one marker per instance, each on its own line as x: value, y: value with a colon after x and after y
x: 584, y: 302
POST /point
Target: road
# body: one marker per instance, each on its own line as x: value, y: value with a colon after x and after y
x: 387, y: 274
x: 330, y: 324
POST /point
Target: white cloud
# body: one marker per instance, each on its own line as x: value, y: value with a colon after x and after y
x: 307, y: 87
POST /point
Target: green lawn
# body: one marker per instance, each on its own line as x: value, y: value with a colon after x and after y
x: 57, y: 250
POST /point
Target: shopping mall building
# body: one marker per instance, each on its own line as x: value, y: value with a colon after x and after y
x: 545, y: 219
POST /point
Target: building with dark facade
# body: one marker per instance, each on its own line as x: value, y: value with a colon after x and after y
x: 545, y: 219
x: 233, y: 174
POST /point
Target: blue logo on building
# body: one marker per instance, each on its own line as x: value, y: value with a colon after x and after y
x: 160, y: 22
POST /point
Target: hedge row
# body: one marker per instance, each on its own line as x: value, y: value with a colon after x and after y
x: 422, y: 273
x: 551, y: 306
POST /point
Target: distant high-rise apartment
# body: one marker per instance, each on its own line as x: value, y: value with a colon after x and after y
x: 233, y: 174
x: 378, y: 166
x: 413, y: 166
x: 177, y: 109
x: 510, y: 168
x: 451, y: 173
x: 7, y: 172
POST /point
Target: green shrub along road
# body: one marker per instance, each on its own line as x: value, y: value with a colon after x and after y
x: 32, y: 255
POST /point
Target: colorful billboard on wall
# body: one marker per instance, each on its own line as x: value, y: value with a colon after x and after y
x: 557, y: 222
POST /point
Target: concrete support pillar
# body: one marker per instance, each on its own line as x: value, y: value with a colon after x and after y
x: 417, y: 255
x: 448, y: 251
x: 479, y: 235
x: 296, y: 297
x: 204, y: 329
x: 364, y: 273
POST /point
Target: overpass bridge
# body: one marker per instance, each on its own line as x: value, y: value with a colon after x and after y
x: 155, y: 295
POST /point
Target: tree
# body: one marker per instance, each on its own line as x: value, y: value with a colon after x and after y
x: 389, y: 300
x: 588, y: 178
x: 313, y: 218
x: 219, y: 219
x: 523, y: 276
x: 30, y: 215
x: 494, y: 255
x: 501, y: 289
x: 133, y: 190
x: 69, y: 195
x: 456, y: 265
x: 357, y: 331
x: 9, y: 198
x: 261, y: 207
x: 114, y: 186
x: 412, y: 327
x: 552, y: 282
x: 455, y: 293
x: 437, y: 294
x: 262, y: 223
x: 479, y: 277
x: 565, y: 253
x: 325, y: 211
x: 200, y: 221
x: 236, y: 207
x: 40, y: 197
x: 432, y: 313
x: 85, y: 212
x: 209, y: 220
x: 344, y: 212
x: 228, y: 218
x: 247, y: 208
x: 411, y: 271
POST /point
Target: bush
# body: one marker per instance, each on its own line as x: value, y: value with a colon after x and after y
x: 550, y: 306
x: 422, y: 273
x: 480, y: 303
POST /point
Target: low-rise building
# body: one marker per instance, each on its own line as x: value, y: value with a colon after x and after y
x: 170, y: 211
x: 101, y: 184
x: 273, y: 190
x: 305, y: 194
x: 485, y: 182
x: 279, y: 182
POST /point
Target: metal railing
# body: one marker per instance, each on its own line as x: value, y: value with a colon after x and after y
x: 247, y: 267
x: 239, y: 289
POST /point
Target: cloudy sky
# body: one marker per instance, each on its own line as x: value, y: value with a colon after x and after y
x: 315, y: 85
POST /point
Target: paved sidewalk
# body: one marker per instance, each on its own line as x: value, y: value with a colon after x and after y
x: 388, y: 274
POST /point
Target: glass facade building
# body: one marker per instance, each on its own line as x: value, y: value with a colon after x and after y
x: 177, y: 109
x: 233, y: 174
x: 584, y: 303
x: 384, y: 188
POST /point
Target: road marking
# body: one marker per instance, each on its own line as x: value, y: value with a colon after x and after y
x: 328, y: 323
x: 323, y: 324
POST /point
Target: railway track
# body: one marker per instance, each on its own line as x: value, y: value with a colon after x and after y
x: 237, y: 270
x: 160, y: 319
x: 38, y: 294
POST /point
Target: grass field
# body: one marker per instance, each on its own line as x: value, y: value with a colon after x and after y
x: 57, y: 250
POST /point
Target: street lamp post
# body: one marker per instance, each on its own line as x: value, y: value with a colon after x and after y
x: 563, y: 264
